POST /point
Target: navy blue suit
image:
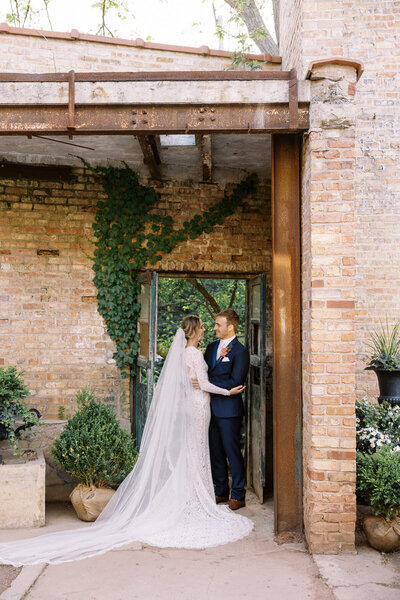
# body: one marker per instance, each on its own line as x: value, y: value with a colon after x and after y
x: 226, y: 417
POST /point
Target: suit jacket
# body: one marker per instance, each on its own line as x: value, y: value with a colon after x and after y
x: 227, y: 374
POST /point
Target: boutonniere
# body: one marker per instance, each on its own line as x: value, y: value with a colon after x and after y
x: 224, y: 352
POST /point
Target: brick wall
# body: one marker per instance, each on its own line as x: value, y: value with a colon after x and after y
x: 35, y: 54
x: 350, y: 236
x: 49, y: 325
x: 377, y: 173
x: 290, y: 42
x: 328, y: 280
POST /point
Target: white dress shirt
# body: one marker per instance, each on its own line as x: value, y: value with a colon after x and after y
x: 224, y: 344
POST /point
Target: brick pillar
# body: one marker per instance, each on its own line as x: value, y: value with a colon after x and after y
x: 328, y: 280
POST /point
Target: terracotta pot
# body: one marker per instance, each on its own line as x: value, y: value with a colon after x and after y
x: 89, y: 501
x: 382, y: 535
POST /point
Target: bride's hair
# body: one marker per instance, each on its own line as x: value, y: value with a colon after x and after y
x: 189, y: 325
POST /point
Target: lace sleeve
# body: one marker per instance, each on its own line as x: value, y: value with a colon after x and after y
x: 200, y: 368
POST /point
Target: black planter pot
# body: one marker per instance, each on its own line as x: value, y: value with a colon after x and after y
x: 4, y: 431
x: 389, y: 385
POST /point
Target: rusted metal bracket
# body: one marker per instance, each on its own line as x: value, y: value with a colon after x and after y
x: 293, y: 100
x: 71, y: 100
x: 151, y: 155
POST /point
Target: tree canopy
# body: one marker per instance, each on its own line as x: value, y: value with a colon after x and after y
x: 180, y: 297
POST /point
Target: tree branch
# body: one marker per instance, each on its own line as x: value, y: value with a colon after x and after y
x: 46, y: 5
x: 233, y: 294
x: 206, y: 294
x: 28, y: 8
x: 276, y: 11
x: 251, y: 17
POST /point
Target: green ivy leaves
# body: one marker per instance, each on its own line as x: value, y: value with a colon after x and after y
x: 129, y: 237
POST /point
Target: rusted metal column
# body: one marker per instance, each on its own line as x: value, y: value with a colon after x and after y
x: 286, y: 332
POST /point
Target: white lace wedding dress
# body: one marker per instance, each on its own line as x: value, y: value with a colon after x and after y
x: 167, y: 500
x: 202, y: 523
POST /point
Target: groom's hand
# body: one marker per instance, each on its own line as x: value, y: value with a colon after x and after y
x: 195, y: 383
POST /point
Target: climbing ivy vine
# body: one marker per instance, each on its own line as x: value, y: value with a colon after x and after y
x: 129, y: 236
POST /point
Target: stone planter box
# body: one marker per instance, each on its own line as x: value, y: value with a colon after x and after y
x: 22, y: 490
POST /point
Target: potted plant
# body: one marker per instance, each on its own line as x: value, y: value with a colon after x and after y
x: 378, y: 483
x: 378, y: 472
x: 385, y: 361
x: 12, y: 393
x: 95, y: 450
x: 19, y: 471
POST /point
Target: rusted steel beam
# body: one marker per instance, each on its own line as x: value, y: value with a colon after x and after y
x: 109, y: 119
x: 206, y: 156
x: 286, y: 311
x: 71, y: 100
x: 151, y: 156
x: 293, y: 100
x: 150, y: 76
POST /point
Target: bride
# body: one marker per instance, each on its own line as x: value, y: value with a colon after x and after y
x: 167, y: 500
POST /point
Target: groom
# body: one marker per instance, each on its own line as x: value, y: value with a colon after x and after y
x: 228, y: 364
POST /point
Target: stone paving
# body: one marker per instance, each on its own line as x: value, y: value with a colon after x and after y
x: 254, y: 568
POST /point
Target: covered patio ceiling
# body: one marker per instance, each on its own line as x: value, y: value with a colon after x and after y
x: 231, y: 157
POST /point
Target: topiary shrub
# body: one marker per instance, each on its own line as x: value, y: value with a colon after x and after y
x: 93, y: 447
x: 378, y: 481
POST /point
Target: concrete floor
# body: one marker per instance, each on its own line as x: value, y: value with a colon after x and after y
x: 255, y: 568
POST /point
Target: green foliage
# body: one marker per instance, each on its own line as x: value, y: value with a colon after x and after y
x: 378, y: 481
x: 239, y: 59
x: 12, y: 393
x: 93, y: 447
x: 385, y: 347
x: 61, y: 414
x: 178, y: 298
x: 129, y: 236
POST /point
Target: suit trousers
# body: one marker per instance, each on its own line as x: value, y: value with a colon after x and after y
x: 224, y: 439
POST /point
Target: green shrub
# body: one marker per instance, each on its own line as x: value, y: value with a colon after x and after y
x: 93, y: 447
x: 12, y: 393
x: 378, y: 481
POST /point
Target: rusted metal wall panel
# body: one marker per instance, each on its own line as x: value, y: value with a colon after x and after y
x: 286, y: 332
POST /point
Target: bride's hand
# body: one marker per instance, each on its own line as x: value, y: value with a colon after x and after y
x: 236, y: 390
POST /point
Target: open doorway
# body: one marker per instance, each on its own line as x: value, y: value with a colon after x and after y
x: 165, y: 301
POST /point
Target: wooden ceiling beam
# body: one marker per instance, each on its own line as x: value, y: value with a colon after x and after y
x: 151, y: 156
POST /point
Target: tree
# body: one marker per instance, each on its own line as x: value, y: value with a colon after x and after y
x: 105, y: 7
x: 22, y: 12
x: 248, y: 12
x: 203, y: 297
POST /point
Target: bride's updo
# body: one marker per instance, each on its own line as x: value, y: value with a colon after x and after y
x: 189, y: 325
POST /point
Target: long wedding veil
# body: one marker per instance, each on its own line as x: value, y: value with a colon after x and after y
x: 152, y: 497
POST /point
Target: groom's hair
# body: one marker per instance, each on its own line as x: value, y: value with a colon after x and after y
x: 231, y: 316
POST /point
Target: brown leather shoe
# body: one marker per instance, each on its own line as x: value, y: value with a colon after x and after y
x: 235, y: 504
x: 219, y: 499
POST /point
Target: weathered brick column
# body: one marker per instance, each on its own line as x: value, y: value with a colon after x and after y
x: 328, y: 255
